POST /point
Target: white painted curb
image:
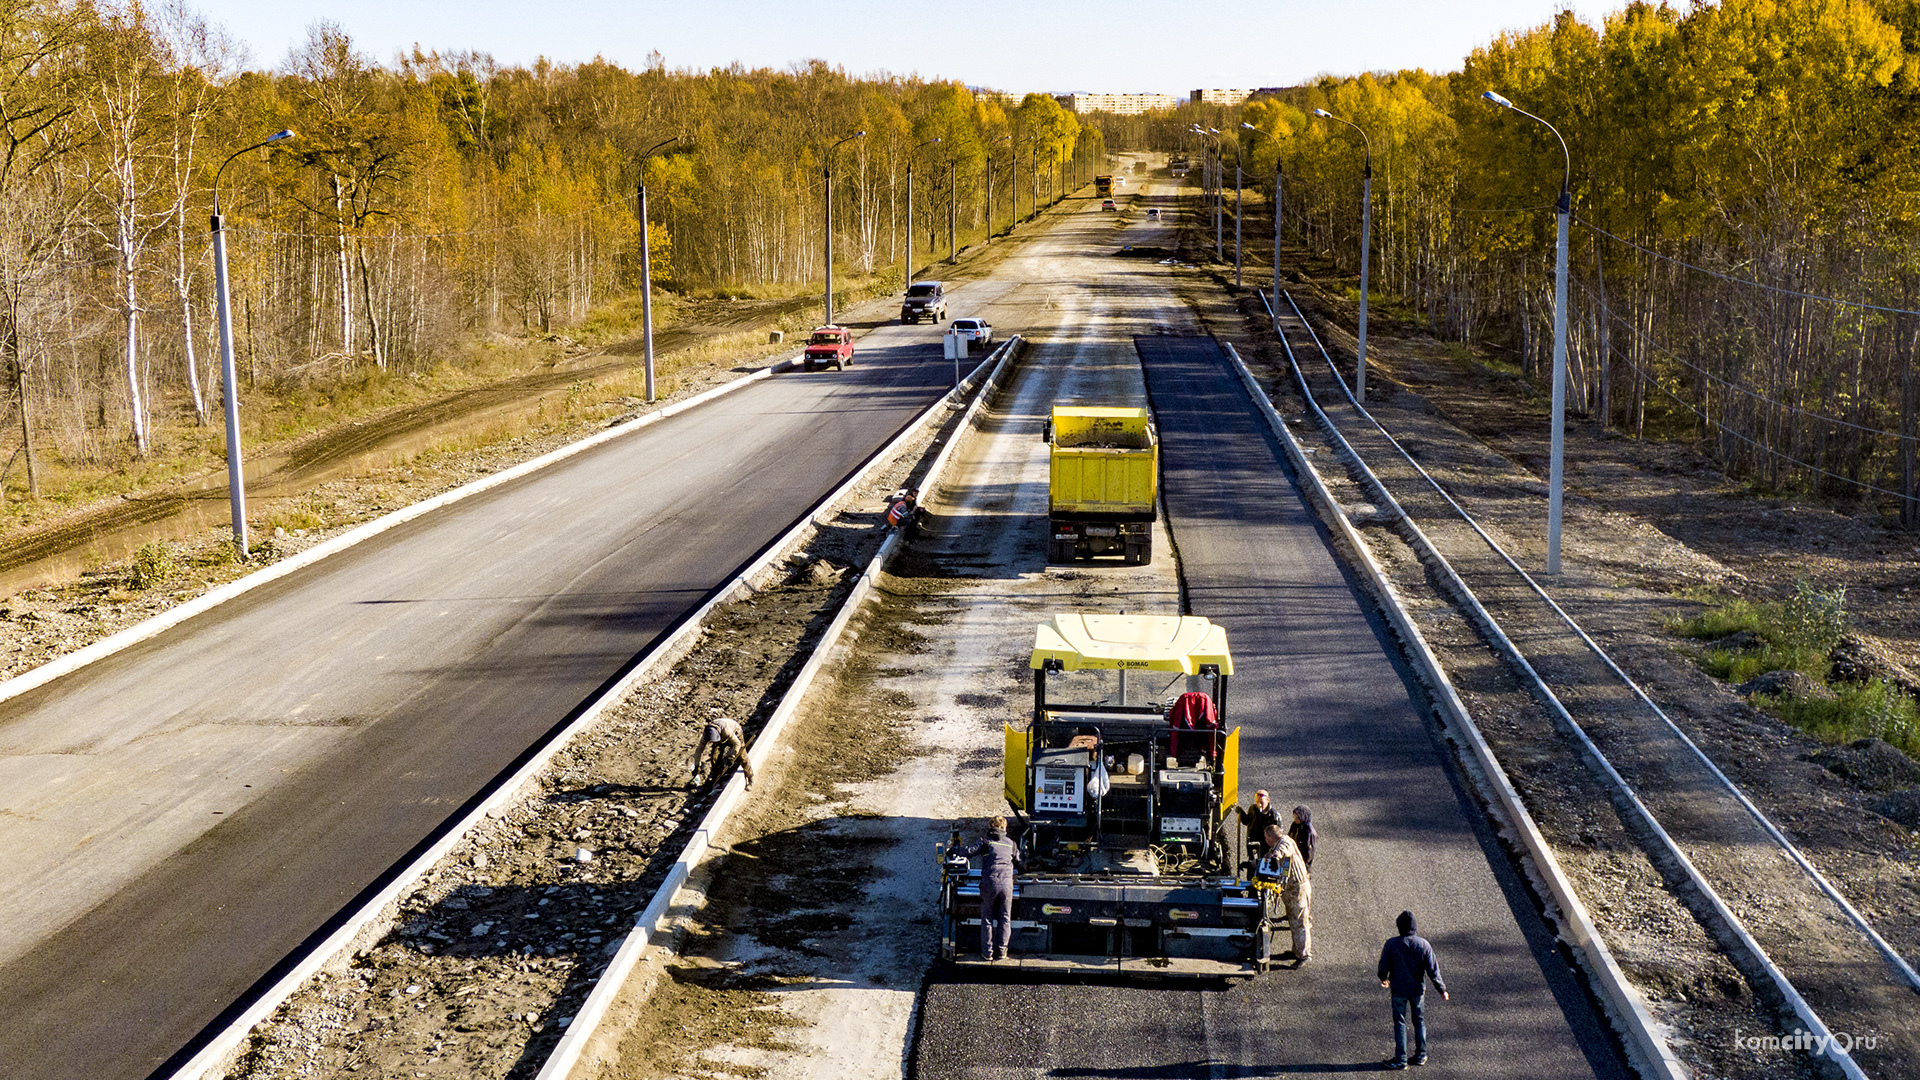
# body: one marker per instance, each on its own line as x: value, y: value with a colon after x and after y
x: 217, y: 1054
x: 567, y: 1053
x: 1647, y: 1048
x: 174, y: 616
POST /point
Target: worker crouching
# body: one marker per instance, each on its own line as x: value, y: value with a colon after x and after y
x: 723, y: 743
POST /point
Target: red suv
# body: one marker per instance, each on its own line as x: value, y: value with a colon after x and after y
x: 829, y: 345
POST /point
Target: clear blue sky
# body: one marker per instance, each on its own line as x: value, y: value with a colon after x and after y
x: 1012, y: 45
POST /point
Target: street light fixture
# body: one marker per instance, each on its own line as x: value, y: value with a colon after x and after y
x: 826, y: 170
x: 1278, y: 176
x: 911, y: 155
x: 1563, y: 210
x: 1366, y: 250
x: 646, y: 267
x: 236, y: 479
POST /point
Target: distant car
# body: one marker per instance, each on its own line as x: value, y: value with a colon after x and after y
x: 924, y: 300
x: 976, y: 331
x: 1107, y: 204
x: 1153, y: 213
x: 828, y: 345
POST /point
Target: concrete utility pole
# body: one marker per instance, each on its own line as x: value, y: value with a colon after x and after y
x: 1366, y: 250
x: 1008, y: 139
x: 236, y: 473
x: 826, y: 170
x: 953, y: 209
x: 1563, y: 209
x: 646, y: 268
x: 1278, y: 177
x: 911, y: 155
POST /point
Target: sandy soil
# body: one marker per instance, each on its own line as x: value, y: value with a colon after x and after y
x: 813, y: 935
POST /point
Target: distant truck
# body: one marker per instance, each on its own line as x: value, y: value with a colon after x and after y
x: 828, y: 345
x: 1103, y: 186
x: 1103, y: 483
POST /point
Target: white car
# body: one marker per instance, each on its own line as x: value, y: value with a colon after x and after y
x: 1153, y: 213
x: 976, y: 331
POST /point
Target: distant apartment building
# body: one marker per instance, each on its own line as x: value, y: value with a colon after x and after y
x: 1228, y: 98
x: 1231, y: 98
x: 1123, y: 104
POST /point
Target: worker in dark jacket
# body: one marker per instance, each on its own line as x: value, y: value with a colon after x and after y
x: 1256, y: 819
x: 1302, y: 832
x: 1001, y: 859
x: 1406, y: 963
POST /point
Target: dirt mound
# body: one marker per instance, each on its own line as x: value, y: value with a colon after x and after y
x: 1903, y: 807
x: 1871, y: 765
x: 1857, y: 659
x: 1785, y: 684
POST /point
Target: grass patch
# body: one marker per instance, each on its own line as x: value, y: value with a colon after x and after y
x: 1860, y: 710
x: 1798, y: 634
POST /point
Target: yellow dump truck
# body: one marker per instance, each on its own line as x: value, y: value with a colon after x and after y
x: 1103, y: 483
x: 1122, y: 781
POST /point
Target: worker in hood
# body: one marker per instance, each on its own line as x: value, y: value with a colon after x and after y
x: 1302, y: 832
x: 723, y: 738
x: 1406, y: 963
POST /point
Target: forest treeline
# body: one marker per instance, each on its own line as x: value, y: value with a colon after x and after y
x: 1745, y: 257
x: 423, y: 203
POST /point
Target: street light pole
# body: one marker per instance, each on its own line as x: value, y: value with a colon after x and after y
x: 1008, y: 139
x: 236, y: 473
x: 1278, y: 177
x: 826, y: 170
x: 953, y: 207
x: 911, y: 155
x: 1563, y: 210
x: 646, y: 268
x: 1219, y: 194
x: 1366, y: 251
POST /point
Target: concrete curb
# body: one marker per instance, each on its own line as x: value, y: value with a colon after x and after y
x: 174, y: 616
x: 1646, y: 1045
x: 378, y: 911
x: 568, y: 1052
x: 1722, y: 925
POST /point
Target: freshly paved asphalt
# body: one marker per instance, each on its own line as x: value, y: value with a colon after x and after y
x: 1328, y: 720
x: 180, y: 818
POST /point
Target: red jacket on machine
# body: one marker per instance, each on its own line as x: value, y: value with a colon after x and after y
x: 1194, y: 724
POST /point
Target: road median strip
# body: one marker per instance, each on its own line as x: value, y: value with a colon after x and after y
x: 568, y: 1053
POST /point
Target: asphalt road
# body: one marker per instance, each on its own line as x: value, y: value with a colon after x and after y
x: 1328, y: 720
x: 180, y: 818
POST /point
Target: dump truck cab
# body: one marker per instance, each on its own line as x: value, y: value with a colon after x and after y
x: 1121, y: 780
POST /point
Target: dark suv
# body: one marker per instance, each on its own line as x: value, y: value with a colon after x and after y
x: 925, y: 300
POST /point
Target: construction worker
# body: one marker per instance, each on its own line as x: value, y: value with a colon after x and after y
x: 1406, y: 964
x: 1002, y: 858
x: 1284, y: 868
x: 1305, y: 837
x: 1256, y: 819
x: 722, y: 737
